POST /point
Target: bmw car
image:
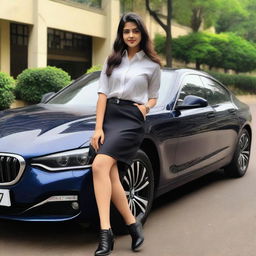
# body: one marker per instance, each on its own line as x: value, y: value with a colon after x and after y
x: 197, y: 127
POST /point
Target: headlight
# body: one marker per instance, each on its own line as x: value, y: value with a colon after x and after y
x: 73, y: 159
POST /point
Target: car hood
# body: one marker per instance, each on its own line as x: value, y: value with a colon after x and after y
x: 45, y: 128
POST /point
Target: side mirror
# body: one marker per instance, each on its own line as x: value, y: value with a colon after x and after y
x: 46, y: 96
x: 191, y: 102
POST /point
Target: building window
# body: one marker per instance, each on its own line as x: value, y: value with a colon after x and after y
x: 19, y: 48
x: 69, y: 51
x: 82, y: 3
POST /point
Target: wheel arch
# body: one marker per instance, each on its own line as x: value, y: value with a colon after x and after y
x: 249, y: 129
x: 150, y: 149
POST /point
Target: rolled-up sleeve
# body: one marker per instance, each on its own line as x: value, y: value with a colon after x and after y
x: 154, y: 83
x: 103, y: 86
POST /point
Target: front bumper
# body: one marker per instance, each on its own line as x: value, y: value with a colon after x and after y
x: 51, y: 196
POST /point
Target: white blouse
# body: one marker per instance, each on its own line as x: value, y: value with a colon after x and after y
x: 137, y: 79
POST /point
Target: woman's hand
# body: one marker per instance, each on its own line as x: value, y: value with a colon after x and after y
x: 142, y: 109
x: 97, y: 136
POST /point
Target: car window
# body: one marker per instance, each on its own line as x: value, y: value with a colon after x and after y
x: 191, y: 85
x: 215, y: 93
x: 166, y: 87
x: 84, y: 91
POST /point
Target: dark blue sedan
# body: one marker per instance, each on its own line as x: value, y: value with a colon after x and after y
x: 196, y: 127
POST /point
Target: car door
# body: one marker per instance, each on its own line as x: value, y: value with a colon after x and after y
x: 196, y: 134
x: 226, y: 121
x: 163, y: 125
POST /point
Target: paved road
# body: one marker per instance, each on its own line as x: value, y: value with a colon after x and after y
x: 213, y: 216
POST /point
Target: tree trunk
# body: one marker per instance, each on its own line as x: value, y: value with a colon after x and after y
x: 198, y: 65
x: 168, y: 31
x: 166, y: 27
x: 168, y: 51
x: 196, y: 19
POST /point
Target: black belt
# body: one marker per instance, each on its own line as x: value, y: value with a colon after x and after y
x: 121, y: 101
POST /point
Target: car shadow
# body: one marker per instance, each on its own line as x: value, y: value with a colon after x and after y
x: 61, y: 234
x: 189, y: 188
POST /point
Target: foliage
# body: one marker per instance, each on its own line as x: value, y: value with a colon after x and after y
x: 225, y: 50
x: 231, y: 16
x: 94, y: 68
x: 239, y: 54
x: 194, y: 13
x: 239, y: 84
x: 159, y: 42
x: 195, y: 47
x: 131, y: 5
x: 33, y: 83
x: 7, y: 85
x: 238, y: 16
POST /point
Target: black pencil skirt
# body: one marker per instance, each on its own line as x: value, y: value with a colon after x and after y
x: 124, y: 130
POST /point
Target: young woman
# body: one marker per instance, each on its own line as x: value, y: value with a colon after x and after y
x: 128, y: 88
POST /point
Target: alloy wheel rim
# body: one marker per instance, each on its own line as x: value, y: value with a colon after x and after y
x: 244, y: 145
x: 137, y: 189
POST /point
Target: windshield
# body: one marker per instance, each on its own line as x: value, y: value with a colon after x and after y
x: 84, y: 91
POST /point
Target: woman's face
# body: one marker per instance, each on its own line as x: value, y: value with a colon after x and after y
x: 131, y: 35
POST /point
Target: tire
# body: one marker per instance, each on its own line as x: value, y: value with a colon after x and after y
x: 138, y: 183
x: 239, y: 164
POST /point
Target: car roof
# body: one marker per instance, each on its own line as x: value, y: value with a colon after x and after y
x: 186, y: 70
x: 178, y: 70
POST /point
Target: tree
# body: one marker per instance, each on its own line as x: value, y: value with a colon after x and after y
x: 238, y: 16
x: 197, y: 48
x: 231, y: 16
x: 225, y: 50
x: 250, y: 24
x: 239, y: 54
x: 166, y: 27
x: 195, y: 13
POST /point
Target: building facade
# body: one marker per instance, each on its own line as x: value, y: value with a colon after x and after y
x: 62, y: 33
x: 69, y: 34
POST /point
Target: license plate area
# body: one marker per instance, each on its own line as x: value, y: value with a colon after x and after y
x: 5, y: 197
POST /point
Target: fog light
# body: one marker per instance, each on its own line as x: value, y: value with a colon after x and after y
x: 75, y: 205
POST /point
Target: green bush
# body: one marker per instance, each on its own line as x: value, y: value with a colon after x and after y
x: 7, y: 85
x: 33, y: 83
x: 239, y: 84
x: 94, y: 68
x: 225, y: 50
x: 159, y: 43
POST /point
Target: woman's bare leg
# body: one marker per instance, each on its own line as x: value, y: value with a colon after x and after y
x: 118, y: 196
x: 102, y: 187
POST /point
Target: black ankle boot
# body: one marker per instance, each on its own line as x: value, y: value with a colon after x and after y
x: 135, y: 231
x: 106, y: 243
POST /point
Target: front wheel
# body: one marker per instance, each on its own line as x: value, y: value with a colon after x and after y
x: 239, y: 164
x: 138, y: 183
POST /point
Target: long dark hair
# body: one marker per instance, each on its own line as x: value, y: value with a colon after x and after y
x: 119, y: 46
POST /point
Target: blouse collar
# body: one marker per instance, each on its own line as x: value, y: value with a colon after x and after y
x: 140, y: 54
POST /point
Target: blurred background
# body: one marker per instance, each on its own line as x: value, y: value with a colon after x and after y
x: 218, y: 36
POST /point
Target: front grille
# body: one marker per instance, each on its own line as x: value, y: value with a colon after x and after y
x: 11, y: 168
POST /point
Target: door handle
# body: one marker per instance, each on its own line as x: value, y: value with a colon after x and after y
x: 211, y: 115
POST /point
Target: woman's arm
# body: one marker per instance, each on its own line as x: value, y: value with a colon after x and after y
x: 150, y: 104
x: 100, y: 112
x: 146, y: 107
x: 153, y: 93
